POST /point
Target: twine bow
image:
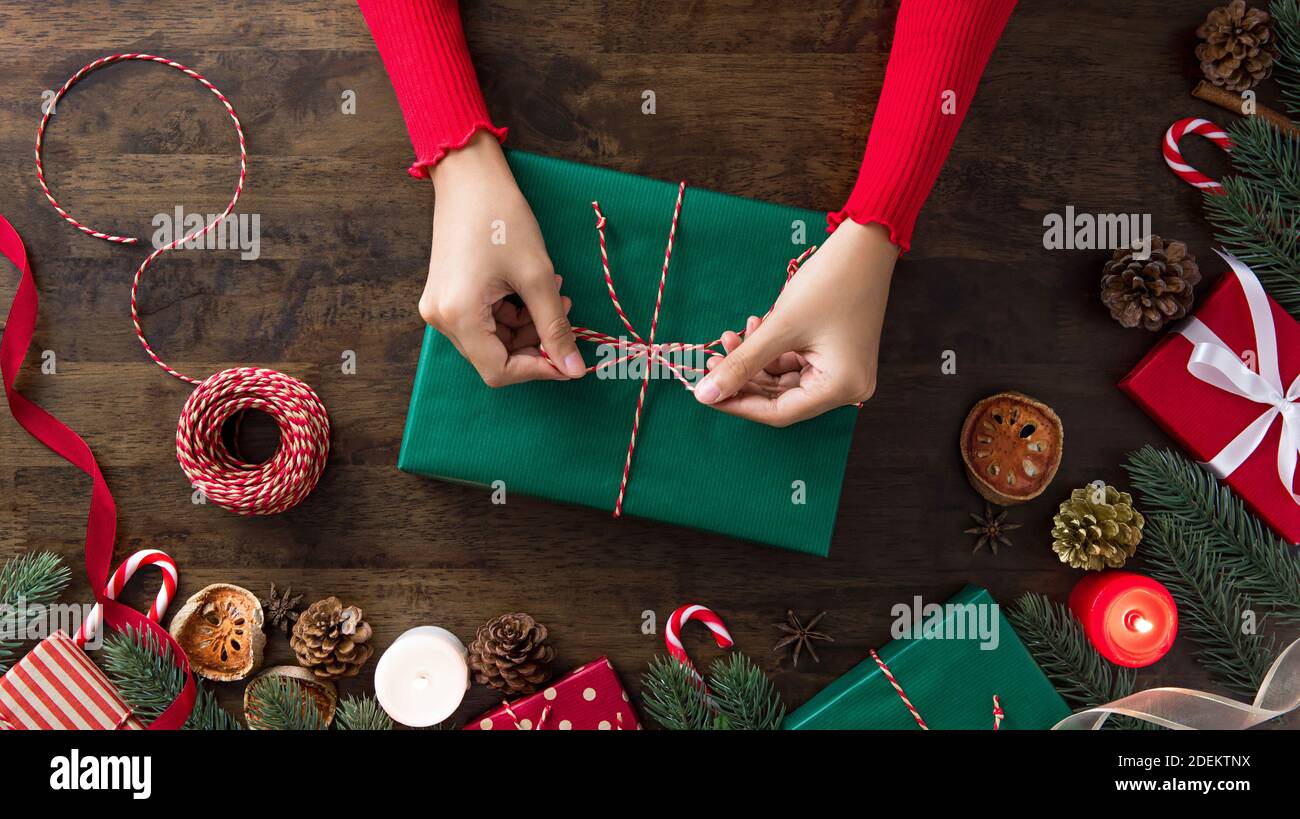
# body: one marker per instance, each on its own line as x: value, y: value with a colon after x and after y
x: 1218, y: 365
x: 655, y: 354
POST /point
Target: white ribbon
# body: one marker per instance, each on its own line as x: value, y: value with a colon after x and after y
x: 1218, y: 365
x: 1186, y: 709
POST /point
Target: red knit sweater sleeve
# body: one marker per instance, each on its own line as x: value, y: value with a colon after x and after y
x: 940, y: 46
x: 424, y: 51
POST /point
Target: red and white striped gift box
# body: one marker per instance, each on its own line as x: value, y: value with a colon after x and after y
x: 56, y: 686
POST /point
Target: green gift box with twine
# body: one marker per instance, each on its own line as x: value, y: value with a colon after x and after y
x: 568, y: 441
x: 949, y: 669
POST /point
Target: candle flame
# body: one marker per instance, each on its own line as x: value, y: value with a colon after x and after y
x: 1139, y: 623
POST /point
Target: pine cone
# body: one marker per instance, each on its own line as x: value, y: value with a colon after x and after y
x: 1097, y: 528
x: 510, y: 654
x: 1153, y: 291
x: 331, y: 639
x: 1237, y: 48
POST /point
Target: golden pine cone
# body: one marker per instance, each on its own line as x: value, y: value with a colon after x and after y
x: 1150, y: 292
x: 331, y: 639
x: 1237, y: 47
x: 1097, y: 528
x: 510, y: 654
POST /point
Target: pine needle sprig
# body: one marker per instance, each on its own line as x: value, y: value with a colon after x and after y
x: 1286, y: 68
x: 745, y: 697
x: 1261, y: 563
x: 146, y: 676
x: 282, y: 705
x: 361, y: 713
x: 1252, y: 222
x: 1268, y: 155
x: 1061, y: 648
x: 671, y: 694
x: 1211, y: 611
x: 33, y: 579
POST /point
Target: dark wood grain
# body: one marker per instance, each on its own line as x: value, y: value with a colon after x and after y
x: 768, y: 99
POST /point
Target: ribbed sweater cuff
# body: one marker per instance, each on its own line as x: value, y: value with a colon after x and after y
x: 424, y: 51
x: 940, y: 46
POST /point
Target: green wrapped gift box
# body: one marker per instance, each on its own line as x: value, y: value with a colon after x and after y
x: 693, y: 466
x: 950, y: 669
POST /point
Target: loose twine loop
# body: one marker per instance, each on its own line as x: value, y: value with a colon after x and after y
x: 227, y: 479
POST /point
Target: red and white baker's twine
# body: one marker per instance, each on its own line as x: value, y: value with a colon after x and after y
x: 145, y: 557
x: 654, y: 353
x: 248, y: 489
x: 998, y: 713
x: 1174, y: 157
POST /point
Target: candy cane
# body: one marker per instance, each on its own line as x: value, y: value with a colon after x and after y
x: 1174, y: 157
x: 120, y: 577
x: 673, y: 631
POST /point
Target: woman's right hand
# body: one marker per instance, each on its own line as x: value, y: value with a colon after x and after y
x: 486, y: 246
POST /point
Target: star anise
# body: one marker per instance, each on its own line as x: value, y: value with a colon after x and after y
x: 281, y: 609
x: 990, y: 529
x: 800, y: 636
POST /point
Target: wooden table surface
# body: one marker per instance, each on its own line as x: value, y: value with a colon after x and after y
x: 770, y: 100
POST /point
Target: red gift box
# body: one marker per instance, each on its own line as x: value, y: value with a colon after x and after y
x: 588, y: 698
x: 56, y: 686
x: 1226, y: 385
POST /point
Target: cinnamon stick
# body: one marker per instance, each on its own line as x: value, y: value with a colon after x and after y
x: 1233, y: 102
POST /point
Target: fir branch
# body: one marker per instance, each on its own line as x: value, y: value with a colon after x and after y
x: 1067, y: 657
x: 33, y: 579
x: 1286, y: 68
x: 1270, y: 156
x: 361, y: 713
x: 672, y: 696
x: 1251, y: 221
x: 282, y: 705
x: 1210, y: 609
x: 1065, y: 654
x: 1261, y: 563
x: 745, y: 697
x: 145, y: 675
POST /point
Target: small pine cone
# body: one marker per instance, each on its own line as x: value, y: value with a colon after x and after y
x: 1237, y: 47
x: 1150, y: 292
x: 1097, y: 528
x: 331, y: 639
x: 510, y: 654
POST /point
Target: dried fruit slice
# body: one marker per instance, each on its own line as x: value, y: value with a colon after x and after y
x: 322, y: 692
x: 1011, y: 445
x: 220, y: 629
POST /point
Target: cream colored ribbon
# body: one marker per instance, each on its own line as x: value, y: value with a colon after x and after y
x: 1218, y: 365
x: 1186, y: 709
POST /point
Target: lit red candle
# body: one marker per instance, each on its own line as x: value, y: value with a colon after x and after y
x: 1130, y: 618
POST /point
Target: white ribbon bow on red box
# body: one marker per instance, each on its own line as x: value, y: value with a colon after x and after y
x: 1218, y: 365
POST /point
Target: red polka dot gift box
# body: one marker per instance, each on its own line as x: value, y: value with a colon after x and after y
x: 588, y: 698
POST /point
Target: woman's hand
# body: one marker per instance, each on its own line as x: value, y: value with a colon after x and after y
x: 818, y: 348
x: 486, y: 246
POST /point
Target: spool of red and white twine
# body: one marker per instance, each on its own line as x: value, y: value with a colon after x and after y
x: 145, y: 557
x: 1174, y: 156
x: 245, y: 488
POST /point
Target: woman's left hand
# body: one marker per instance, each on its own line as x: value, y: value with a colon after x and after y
x: 818, y: 348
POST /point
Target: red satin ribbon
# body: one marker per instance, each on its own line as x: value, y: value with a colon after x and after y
x: 101, y: 525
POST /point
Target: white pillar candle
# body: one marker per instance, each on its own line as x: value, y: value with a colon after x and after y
x: 422, y: 677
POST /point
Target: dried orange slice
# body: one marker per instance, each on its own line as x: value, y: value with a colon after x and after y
x: 220, y: 629
x: 1011, y: 445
